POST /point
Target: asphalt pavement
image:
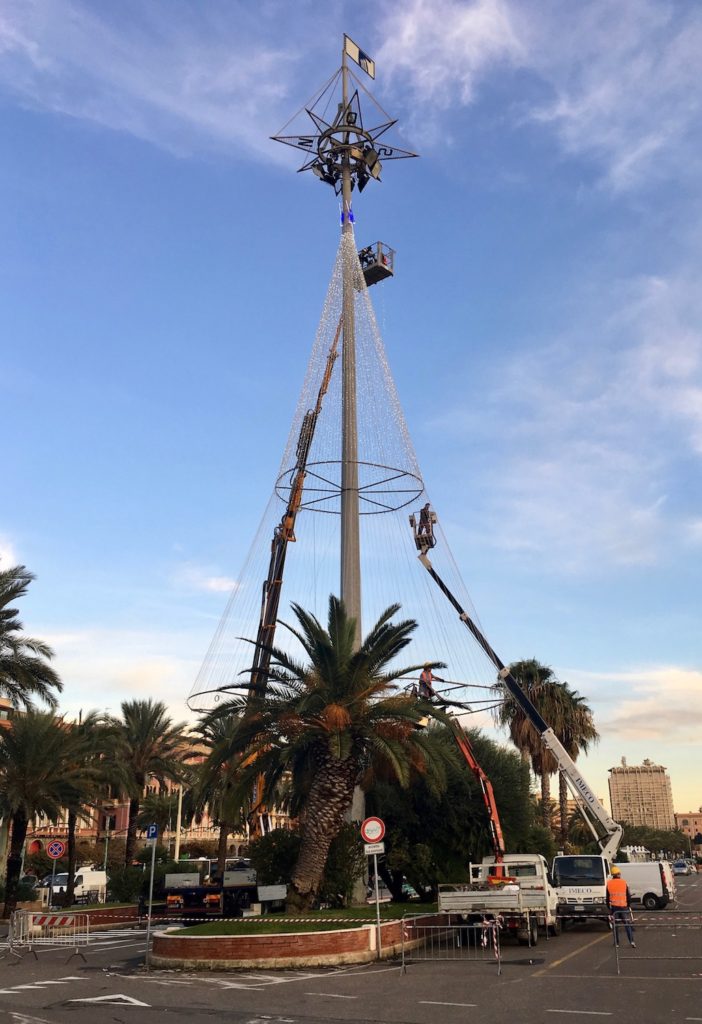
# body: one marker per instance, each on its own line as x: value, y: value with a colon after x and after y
x: 572, y: 977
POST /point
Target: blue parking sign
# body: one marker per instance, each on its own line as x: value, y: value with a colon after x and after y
x: 152, y: 831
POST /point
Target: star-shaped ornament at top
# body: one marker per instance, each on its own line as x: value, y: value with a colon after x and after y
x: 333, y: 143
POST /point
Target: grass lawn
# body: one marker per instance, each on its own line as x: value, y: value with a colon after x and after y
x: 281, y: 923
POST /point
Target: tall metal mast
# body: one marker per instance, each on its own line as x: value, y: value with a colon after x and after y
x: 350, y: 584
x: 346, y: 154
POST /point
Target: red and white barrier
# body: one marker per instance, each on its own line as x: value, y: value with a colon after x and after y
x: 28, y: 930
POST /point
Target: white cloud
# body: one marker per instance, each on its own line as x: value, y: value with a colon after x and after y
x: 102, y: 667
x: 637, y: 712
x: 8, y: 555
x: 624, y: 80
x: 621, y: 79
x: 186, y: 79
x: 196, y: 577
x: 600, y: 422
x: 442, y: 47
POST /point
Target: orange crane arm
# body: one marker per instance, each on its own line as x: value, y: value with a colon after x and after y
x: 466, y: 749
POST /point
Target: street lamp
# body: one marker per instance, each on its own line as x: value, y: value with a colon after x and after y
x: 106, y: 808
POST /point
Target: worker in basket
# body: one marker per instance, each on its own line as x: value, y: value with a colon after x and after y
x: 619, y: 903
x: 426, y: 527
x: 425, y: 688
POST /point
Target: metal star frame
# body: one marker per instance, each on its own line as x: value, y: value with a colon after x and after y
x: 344, y: 141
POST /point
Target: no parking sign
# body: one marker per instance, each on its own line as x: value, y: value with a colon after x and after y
x: 56, y: 849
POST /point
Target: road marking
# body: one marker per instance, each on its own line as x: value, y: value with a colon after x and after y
x: 114, y: 1000
x: 433, y: 1002
x: 23, y: 1018
x: 576, y: 952
x: 590, y: 1013
x: 330, y: 995
x: 37, y: 984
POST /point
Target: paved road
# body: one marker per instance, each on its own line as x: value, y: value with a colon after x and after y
x: 570, y: 978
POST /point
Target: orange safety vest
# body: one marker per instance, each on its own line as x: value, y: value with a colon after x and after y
x: 425, y: 681
x: 617, y: 892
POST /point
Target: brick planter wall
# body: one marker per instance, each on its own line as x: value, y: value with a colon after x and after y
x: 120, y: 915
x: 296, y: 949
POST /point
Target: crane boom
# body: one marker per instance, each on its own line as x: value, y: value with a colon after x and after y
x: 284, y: 533
x: 466, y: 749
x: 586, y: 800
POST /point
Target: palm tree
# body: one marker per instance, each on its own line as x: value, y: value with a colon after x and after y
x: 87, y: 756
x: 325, y: 723
x: 148, y: 746
x: 536, y: 680
x: 564, y: 710
x: 159, y: 809
x: 24, y: 669
x: 216, y: 779
x: 37, y: 776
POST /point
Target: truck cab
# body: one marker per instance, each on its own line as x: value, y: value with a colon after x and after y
x: 581, y: 885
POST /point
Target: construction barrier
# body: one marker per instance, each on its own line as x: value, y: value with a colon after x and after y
x: 28, y: 930
x: 431, y: 938
x: 670, y: 942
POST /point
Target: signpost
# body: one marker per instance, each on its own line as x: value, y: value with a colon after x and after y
x: 55, y: 850
x: 372, y: 833
x: 152, y: 837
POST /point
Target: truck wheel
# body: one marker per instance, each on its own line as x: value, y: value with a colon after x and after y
x: 556, y: 927
x: 650, y: 902
x: 523, y: 935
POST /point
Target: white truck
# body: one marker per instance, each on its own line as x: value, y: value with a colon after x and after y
x: 580, y: 881
x: 516, y: 889
x: 90, y: 886
x: 651, y: 883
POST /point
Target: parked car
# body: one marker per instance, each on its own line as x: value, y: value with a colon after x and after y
x: 681, y: 867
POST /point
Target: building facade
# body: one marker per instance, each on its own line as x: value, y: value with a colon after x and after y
x: 691, y: 824
x: 641, y: 795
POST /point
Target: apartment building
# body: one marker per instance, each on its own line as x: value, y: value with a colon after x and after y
x: 641, y: 795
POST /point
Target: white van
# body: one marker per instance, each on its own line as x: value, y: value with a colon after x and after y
x: 90, y: 886
x: 651, y: 884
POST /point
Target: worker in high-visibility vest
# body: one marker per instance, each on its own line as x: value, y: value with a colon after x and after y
x: 619, y: 903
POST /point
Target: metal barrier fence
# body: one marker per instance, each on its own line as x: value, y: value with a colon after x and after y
x: 431, y: 937
x: 671, y: 939
x: 28, y: 929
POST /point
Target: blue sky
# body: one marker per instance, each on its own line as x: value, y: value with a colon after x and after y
x: 161, y: 276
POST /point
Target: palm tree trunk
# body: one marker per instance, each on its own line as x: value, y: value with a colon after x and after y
x: 14, y: 862
x: 330, y: 797
x: 70, y: 884
x: 131, y: 831
x: 563, y: 803
x: 545, y: 798
x: 224, y: 830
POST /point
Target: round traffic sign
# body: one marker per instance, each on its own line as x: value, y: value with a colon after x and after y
x: 56, y: 849
x: 373, y: 830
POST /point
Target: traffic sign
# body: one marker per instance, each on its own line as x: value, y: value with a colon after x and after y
x: 373, y: 848
x: 373, y: 830
x: 56, y: 849
x: 152, y: 831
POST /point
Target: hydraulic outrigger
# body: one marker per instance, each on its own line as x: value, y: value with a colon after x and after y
x: 588, y: 804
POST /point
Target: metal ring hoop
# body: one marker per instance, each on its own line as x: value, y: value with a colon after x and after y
x: 387, y: 489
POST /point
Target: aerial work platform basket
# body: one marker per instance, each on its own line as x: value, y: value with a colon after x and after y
x: 377, y: 262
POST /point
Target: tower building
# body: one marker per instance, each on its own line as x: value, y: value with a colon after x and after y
x: 641, y: 795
